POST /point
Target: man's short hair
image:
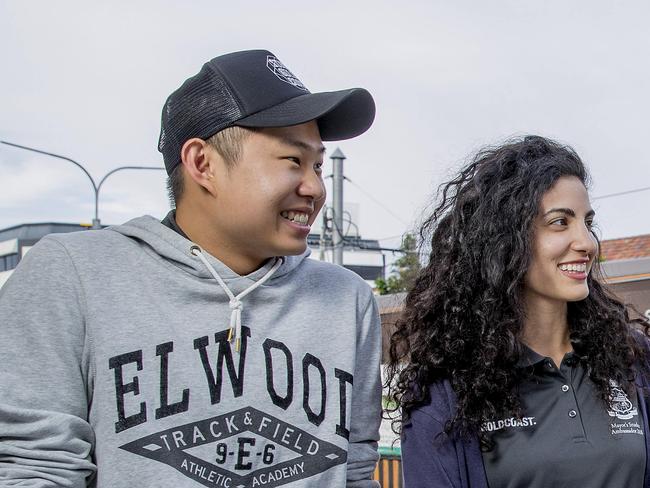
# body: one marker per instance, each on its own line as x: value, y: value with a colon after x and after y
x: 227, y: 142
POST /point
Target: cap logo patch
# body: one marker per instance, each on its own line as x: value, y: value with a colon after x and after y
x: 283, y: 73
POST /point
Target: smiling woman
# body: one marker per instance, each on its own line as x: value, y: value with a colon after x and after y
x: 511, y: 357
x: 564, y: 249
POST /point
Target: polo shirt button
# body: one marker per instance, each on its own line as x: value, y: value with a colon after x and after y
x: 572, y: 413
x: 565, y: 387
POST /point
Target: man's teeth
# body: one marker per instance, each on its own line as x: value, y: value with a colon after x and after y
x: 298, y: 217
x: 578, y: 268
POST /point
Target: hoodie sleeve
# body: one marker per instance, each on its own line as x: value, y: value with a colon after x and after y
x: 365, y: 415
x: 45, y: 438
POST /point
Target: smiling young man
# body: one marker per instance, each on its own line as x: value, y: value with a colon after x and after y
x: 259, y: 206
x: 206, y: 349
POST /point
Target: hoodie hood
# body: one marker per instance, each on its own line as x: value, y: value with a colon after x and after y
x: 159, y: 239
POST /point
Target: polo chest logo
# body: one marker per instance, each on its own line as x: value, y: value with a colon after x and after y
x: 242, y: 449
x: 621, y: 407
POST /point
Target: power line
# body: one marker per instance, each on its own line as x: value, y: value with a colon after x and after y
x: 621, y: 193
x: 401, y: 236
x: 354, y: 241
x: 376, y: 201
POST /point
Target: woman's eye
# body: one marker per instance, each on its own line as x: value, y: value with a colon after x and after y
x: 559, y: 222
x: 589, y: 223
x: 294, y: 159
x: 318, y: 167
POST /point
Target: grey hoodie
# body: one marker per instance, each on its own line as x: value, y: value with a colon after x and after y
x: 116, y: 370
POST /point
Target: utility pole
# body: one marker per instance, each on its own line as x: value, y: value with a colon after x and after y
x: 323, y: 233
x: 337, y: 200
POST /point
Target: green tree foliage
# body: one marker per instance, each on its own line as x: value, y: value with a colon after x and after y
x: 404, y: 270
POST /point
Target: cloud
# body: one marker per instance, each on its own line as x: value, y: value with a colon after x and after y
x: 31, y: 180
x: 447, y: 77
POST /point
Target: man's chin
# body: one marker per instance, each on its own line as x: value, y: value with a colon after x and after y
x: 295, y: 250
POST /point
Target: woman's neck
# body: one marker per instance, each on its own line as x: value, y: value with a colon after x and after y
x: 546, y: 329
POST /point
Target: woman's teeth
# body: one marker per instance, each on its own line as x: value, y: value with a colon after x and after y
x: 575, y: 268
x: 297, y: 217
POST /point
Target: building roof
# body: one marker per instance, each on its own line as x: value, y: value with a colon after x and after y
x: 349, y: 243
x: 626, y: 248
x: 623, y: 270
x: 37, y: 230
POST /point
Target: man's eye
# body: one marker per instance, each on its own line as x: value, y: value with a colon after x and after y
x: 318, y: 167
x: 589, y: 223
x: 294, y: 159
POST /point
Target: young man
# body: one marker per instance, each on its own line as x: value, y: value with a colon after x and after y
x: 206, y: 350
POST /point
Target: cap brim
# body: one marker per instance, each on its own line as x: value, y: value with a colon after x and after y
x: 340, y: 115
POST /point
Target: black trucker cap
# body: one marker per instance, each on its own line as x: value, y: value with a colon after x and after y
x: 254, y: 89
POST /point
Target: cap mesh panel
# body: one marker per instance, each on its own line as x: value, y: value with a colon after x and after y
x: 201, y: 107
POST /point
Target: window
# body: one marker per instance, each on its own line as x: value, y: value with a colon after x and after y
x: 8, y: 262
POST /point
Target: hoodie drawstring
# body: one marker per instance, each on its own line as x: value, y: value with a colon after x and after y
x: 235, y: 304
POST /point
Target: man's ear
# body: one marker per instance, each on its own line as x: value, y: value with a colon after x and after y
x: 197, y: 158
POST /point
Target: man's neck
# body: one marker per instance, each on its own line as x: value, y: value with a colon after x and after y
x: 200, y: 231
x: 170, y: 221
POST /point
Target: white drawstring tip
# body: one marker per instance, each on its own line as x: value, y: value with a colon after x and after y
x: 235, y: 301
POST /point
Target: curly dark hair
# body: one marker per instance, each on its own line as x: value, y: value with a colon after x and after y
x: 464, y: 315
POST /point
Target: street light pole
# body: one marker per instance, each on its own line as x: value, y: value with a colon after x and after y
x: 96, y: 222
x: 96, y: 187
x: 92, y: 182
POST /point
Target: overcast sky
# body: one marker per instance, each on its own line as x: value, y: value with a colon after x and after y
x: 88, y: 80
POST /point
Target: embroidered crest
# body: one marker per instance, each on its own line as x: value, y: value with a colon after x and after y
x: 621, y: 407
x: 283, y: 73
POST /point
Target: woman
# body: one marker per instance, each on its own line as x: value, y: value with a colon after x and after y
x: 512, y: 365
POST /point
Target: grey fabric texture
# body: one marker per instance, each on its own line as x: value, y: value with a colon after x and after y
x: 115, y: 369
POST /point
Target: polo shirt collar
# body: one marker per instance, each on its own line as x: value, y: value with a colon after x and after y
x: 530, y: 358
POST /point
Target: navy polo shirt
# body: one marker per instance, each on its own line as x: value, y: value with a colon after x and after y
x: 567, y: 437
